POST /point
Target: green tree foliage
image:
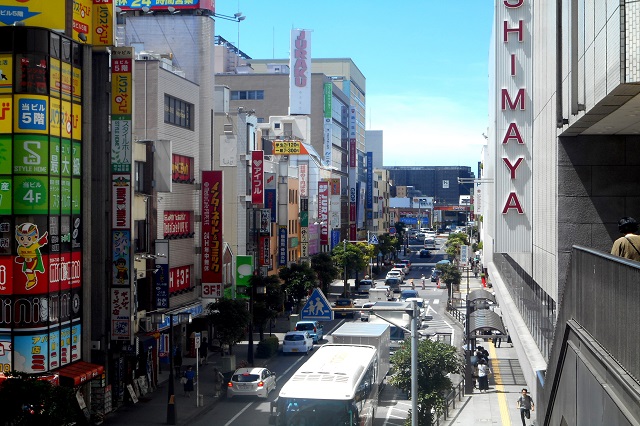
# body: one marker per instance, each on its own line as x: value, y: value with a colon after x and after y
x: 299, y: 280
x: 28, y: 401
x: 266, y: 306
x: 350, y: 260
x: 325, y: 269
x: 230, y: 319
x: 450, y: 274
x: 386, y: 244
x: 454, y: 242
x: 435, y: 361
x: 400, y: 235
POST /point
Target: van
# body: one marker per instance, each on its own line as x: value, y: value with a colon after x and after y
x: 379, y: 294
x: 315, y: 329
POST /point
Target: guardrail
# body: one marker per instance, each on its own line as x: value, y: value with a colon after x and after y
x: 456, y: 313
x: 457, y: 393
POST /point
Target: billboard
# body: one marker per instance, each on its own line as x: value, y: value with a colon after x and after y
x: 300, y: 72
x: 257, y: 177
x: 323, y: 211
x: 212, y: 226
x: 46, y: 14
x: 165, y: 4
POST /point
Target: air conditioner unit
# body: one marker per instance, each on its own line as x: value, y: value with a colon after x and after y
x: 145, y: 324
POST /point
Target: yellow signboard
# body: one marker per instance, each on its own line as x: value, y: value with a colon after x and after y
x: 34, y: 13
x: 122, y: 80
x: 6, y: 102
x: 103, y: 23
x: 59, y: 78
x: 288, y: 148
x: 76, y: 82
x: 6, y: 74
x: 83, y: 21
x: 66, y: 119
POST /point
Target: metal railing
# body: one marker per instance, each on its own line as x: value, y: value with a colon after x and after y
x: 456, y: 394
x: 456, y: 313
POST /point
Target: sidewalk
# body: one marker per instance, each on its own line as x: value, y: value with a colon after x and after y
x: 151, y: 408
x: 498, y: 405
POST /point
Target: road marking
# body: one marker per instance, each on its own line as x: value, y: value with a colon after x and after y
x: 502, y: 398
x: 436, y: 301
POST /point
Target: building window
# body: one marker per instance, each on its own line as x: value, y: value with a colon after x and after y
x: 140, y: 236
x: 253, y: 95
x: 178, y: 112
x: 139, y: 177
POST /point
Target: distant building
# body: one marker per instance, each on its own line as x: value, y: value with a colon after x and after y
x: 439, y: 182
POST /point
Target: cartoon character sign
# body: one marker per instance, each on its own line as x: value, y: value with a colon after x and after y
x: 29, y: 243
x: 122, y: 272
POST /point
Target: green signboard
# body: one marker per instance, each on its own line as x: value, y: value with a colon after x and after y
x: 31, y: 154
x: 55, y: 206
x: 244, y: 270
x: 5, y: 195
x: 5, y: 154
x: 30, y: 194
x: 328, y: 93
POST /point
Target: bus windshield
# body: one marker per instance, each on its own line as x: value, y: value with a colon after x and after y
x: 316, y: 412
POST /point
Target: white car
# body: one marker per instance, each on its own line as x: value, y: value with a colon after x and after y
x: 296, y: 342
x: 401, y: 270
x: 364, y: 315
x: 395, y: 274
x: 251, y: 381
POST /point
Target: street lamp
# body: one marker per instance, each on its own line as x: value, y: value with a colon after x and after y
x: 171, y: 398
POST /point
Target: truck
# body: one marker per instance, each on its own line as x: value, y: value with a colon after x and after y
x: 380, y: 294
x: 377, y: 335
x: 399, y: 321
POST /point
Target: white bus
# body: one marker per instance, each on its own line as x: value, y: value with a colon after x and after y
x: 337, y: 386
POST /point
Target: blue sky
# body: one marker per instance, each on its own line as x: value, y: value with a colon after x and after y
x: 425, y: 62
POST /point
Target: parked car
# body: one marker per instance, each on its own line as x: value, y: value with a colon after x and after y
x: 297, y: 341
x: 344, y: 303
x: 251, y: 381
x: 394, y: 274
x: 364, y: 315
x: 425, y: 253
x: 315, y: 329
x: 365, y: 285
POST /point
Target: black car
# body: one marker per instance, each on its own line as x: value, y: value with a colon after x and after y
x: 425, y: 253
x: 435, y: 274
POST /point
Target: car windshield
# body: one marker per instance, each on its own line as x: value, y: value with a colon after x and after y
x: 293, y: 337
x: 245, y: 378
x: 307, y: 326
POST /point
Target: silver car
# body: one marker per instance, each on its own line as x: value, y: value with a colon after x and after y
x: 252, y: 382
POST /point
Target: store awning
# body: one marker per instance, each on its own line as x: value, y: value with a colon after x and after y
x: 481, y: 294
x: 485, y: 319
x: 79, y: 372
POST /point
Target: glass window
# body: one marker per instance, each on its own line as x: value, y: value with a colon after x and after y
x: 178, y: 112
x: 140, y: 236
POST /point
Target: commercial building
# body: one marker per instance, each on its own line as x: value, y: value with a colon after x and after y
x: 559, y: 171
x: 439, y: 182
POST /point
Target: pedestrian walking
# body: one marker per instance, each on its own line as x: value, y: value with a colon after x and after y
x: 423, y: 279
x: 218, y: 380
x: 190, y: 376
x: 525, y: 405
x: 629, y: 244
x: 413, y: 286
x: 483, y: 375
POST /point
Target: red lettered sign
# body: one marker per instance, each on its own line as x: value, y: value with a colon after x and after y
x: 257, y: 177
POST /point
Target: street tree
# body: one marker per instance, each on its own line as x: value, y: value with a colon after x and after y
x: 325, y: 269
x: 435, y: 361
x: 400, y: 235
x: 26, y: 400
x: 450, y: 275
x: 230, y: 319
x: 266, y: 306
x: 454, y: 242
x: 386, y: 244
x: 299, y: 280
x: 349, y: 257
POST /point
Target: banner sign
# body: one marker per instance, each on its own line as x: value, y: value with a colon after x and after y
x: 282, y: 246
x: 180, y: 278
x: 177, y: 223
x: 270, y: 203
x: 303, y: 175
x: 265, y: 251
x: 288, y: 148
x: 121, y: 299
x: 323, y: 211
x: 121, y: 201
x: 161, y: 283
x: 369, y: 180
x: 212, y: 226
x: 165, y: 4
x: 300, y: 72
x: 257, y: 177
x: 265, y: 221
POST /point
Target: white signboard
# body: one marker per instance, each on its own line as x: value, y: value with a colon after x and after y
x: 300, y: 72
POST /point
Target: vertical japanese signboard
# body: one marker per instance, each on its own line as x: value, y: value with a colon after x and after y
x: 212, y: 227
x: 300, y: 74
x: 328, y: 125
x: 323, y: 211
x: 257, y: 177
x: 40, y: 195
x: 122, y: 283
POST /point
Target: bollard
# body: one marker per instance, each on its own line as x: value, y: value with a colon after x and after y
x: 200, y: 400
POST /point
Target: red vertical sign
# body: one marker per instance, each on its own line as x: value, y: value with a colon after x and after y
x: 257, y: 177
x: 323, y: 211
x: 212, y: 226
